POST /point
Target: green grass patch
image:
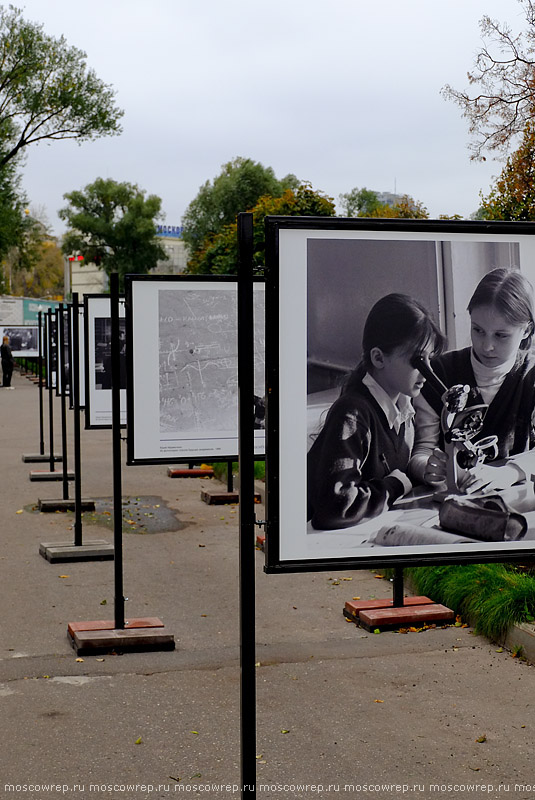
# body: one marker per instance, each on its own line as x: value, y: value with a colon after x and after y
x: 220, y: 470
x: 493, y: 597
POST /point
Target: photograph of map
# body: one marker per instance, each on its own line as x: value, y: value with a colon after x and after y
x: 198, y: 360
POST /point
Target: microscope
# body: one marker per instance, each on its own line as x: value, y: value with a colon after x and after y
x: 460, y: 423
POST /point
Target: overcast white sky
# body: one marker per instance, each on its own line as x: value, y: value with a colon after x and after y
x: 342, y: 93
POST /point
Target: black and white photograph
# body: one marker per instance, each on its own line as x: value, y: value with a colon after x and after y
x: 183, y: 400
x: 97, y: 361
x: 64, y: 352
x: 403, y: 392
x: 103, y: 353
x: 23, y: 340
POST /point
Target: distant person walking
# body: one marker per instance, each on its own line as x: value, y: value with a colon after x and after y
x: 7, y: 363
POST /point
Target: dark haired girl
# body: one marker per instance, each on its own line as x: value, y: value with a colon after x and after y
x: 357, y: 465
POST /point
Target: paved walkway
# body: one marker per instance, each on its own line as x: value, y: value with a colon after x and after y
x: 434, y: 714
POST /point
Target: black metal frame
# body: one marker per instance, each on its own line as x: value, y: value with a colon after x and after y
x: 247, y: 506
x: 61, y: 387
x: 273, y: 225
x: 49, y: 349
x: 40, y: 368
x: 131, y: 459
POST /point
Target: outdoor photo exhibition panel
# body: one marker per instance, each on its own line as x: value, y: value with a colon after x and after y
x: 182, y: 334
x: 322, y: 278
x: 23, y: 340
x: 51, y: 348
x: 97, y: 335
x: 81, y: 351
x: 63, y: 318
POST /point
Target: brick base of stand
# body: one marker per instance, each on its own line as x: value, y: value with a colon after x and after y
x: 383, y: 615
x: 101, y: 636
x: 194, y: 472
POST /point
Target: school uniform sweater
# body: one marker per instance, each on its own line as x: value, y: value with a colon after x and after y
x: 511, y: 411
x: 351, y: 462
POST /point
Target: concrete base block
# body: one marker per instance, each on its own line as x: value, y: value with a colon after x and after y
x: 40, y: 458
x: 65, y: 505
x: 138, y: 635
x: 37, y: 475
x: 96, y: 550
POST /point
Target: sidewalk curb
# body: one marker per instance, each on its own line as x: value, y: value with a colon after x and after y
x: 521, y: 635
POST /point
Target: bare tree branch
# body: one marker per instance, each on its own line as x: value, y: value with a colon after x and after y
x: 504, y: 72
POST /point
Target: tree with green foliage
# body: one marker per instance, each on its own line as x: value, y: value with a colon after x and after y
x: 13, y: 220
x: 365, y: 203
x: 220, y: 253
x: 113, y: 225
x: 513, y: 194
x: 406, y: 208
x: 35, y: 264
x: 239, y: 185
x: 359, y: 202
x: 47, y: 92
x: 44, y: 276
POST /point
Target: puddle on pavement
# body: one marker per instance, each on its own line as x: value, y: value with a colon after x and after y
x: 141, y: 515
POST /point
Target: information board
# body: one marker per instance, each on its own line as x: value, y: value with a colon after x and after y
x: 182, y: 341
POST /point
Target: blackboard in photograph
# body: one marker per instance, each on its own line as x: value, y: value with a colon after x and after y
x: 185, y: 342
x: 97, y: 340
x: 23, y: 340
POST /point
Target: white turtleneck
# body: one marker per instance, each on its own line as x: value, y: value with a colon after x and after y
x: 489, y: 379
